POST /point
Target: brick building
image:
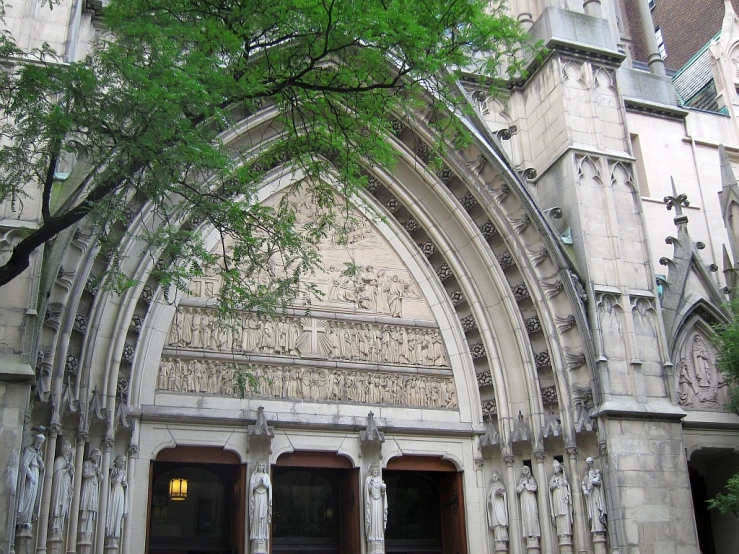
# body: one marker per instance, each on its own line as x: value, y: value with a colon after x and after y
x: 686, y: 27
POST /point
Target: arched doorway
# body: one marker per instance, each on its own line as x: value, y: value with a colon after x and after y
x: 426, y: 506
x: 709, y: 470
x: 196, y: 502
x: 316, y: 503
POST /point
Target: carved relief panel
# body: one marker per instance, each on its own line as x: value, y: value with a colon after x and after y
x: 361, y: 272
x: 700, y: 385
x: 221, y: 378
x: 307, y: 337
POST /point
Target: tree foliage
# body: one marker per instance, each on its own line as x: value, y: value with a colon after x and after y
x: 144, y: 115
x: 727, y: 341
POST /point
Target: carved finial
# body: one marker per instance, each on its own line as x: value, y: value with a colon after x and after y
x: 677, y: 201
x: 372, y: 434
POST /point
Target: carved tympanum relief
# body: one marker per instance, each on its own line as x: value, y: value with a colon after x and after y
x: 700, y: 385
x: 306, y: 383
x: 199, y: 329
x: 361, y: 272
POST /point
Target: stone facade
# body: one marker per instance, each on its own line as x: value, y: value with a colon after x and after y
x: 531, y: 302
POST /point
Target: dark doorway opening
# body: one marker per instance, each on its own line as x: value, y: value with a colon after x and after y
x: 207, y: 520
x: 414, y: 512
x: 315, y: 510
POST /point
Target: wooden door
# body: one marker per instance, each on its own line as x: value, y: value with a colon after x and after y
x: 239, y: 509
x: 453, y: 528
x: 350, y: 507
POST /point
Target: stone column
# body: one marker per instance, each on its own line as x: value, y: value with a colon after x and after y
x: 656, y: 65
x: 514, y: 521
x: 543, y: 499
x: 43, y: 518
x: 133, y: 453
x: 104, y: 493
x: 74, y: 510
x: 581, y: 530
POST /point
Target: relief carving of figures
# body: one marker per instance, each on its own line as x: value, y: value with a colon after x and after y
x: 92, y: 476
x: 367, y: 289
x: 117, y: 507
x: 526, y: 490
x: 195, y: 328
x: 306, y: 383
x: 260, y: 508
x: 700, y: 384
x: 498, y: 513
x: 375, y: 511
x: 32, y: 475
x: 61, y: 489
x: 592, y: 488
x: 560, y: 504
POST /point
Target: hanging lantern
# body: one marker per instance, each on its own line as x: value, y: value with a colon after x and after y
x: 178, y: 489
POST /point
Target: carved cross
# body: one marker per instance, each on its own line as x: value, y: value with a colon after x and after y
x: 313, y: 326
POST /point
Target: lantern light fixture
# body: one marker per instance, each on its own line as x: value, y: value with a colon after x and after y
x: 178, y: 488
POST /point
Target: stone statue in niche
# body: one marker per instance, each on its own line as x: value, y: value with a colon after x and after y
x: 375, y: 511
x: 260, y: 508
x: 92, y: 476
x: 700, y: 384
x: 526, y: 490
x: 497, y: 511
x: 61, y: 489
x: 592, y: 488
x: 560, y: 504
x: 32, y: 475
x: 117, y: 506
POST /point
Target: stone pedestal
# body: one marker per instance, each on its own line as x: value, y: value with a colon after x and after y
x: 375, y: 547
x: 84, y: 543
x: 599, y: 542
x: 532, y: 545
x: 565, y: 544
x: 501, y: 546
x: 55, y: 543
x: 259, y: 546
x: 111, y: 545
x: 24, y: 541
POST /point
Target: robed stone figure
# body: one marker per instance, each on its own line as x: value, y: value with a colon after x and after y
x: 32, y: 475
x: 560, y: 504
x: 61, y: 488
x: 117, y: 500
x: 497, y: 511
x: 260, y: 508
x: 526, y: 490
x: 92, y: 476
x: 375, y: 511
x: 592, y: 488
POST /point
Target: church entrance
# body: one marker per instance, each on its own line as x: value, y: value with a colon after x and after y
x: 316, y: 504
x: 196, y: 503
x: 426, y: 507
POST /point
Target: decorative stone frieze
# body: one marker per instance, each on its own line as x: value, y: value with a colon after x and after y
x: 198, y: 329
x: 218, y: 378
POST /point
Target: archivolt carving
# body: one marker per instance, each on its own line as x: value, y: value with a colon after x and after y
x: 700, y: 385
x: 199, y: 329
x: 305, y: 383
